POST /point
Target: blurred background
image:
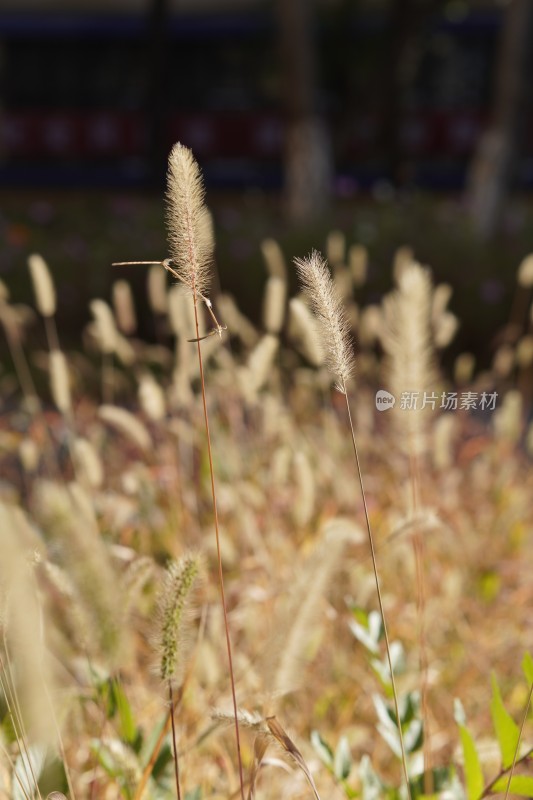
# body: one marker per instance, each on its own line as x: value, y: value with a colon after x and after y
x: 397, y: 121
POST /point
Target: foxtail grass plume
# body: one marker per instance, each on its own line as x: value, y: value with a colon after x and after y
x: 403, y: 257
x: 67, y: 517
x: 152, y: 398
x: 524, y: 352
x: 303, y: 331
x: 274, y: 259
x: 358, y: 263
x: 89, y: 468
x: 524, y: 275
x: 45, y: 294
x: 507, y: 420
x: 463, y: 368
x: 503, y: 362
x: 260, y: 361
x: 157, y: 289
x: 4, y: 293
x: 336, y: 247
x: 297, y: 621
x: 174, y: 604
x: 316, y: 279
x: 106, y: 331
x: 274, y: 304
x: 445, y: 329
x: 407, y: 341
x: 60, y: 381
x: 441, y: 297
x: 190, y: 238
x: 29, y: 455
x: 124, y: 307
x: 127, y: 424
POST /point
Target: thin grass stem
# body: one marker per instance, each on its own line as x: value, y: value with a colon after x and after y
x: 217, y: 535
x: 378, y: 591
x: 174, y: 742
x: 419, y: 551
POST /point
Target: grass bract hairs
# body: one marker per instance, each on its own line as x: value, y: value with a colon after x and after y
x: 173, y: 612
x: 190, y: 239
x: 328, y: 309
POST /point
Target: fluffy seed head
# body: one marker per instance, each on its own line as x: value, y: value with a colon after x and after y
x: 406, y: 339
x: 59, y: 381
x: 45, y: 294
x: 303, y: 329
x: 127, y: 424
x: 274, y: 304
x: 152, y: 398
x: 358, y: 263
x: 316, y: 279
x: 88, y: 464
x: 274, y: 259
x: 105, y: 325
x: 260, y: 361
x: 173, y: 605
x: 190, y: 238
x: 525, y: 272
x: 124, y: 307
x: 336, y: 247
x: 524, y: 352
x: 463, y: 369
x: 157, y: 289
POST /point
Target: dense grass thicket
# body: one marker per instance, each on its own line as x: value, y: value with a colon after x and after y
x: 110, y: 578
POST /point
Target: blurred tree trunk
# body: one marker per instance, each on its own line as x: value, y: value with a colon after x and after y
x: 407, y: 32
x: 156, y: 80
x: 307, y: 157
x: 400, y: 30
x: 492, y: 166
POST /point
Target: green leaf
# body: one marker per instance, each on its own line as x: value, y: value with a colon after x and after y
x: 371, y: 783
x: 473, y: 773
x: 520, y: 784
x: 343, y: 760
x: 391, y: 737
x: 459, y: 712
x: 375, y: 625
x: 127, y: 728
x: 413, y: 736
x: 386, y: 714
x: 507, y: 730
x: 527, y: 667
x: 362, y: 635
x: 322, y: 748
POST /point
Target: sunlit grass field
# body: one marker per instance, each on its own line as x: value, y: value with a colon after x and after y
x: 105, y: 481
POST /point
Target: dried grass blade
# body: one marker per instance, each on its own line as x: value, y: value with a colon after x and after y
x: 288, y: 745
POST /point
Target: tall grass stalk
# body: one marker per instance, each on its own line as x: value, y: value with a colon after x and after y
x: 316, y: 278
x: 408, y: 343
x: 191, y: 245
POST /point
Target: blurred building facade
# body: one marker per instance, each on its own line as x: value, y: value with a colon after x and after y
x: 88, y: 85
